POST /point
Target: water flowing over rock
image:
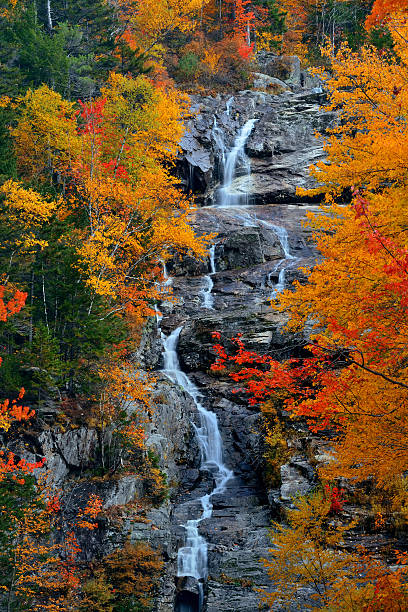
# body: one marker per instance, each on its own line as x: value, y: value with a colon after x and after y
x: 220, y: 521
x: 236, y: 160
x: 244, y: 156
x: 243, y: 152
x: 279, y: 149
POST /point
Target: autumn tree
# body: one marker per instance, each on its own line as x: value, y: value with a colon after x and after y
x: 148, y: 22
x: 120, y: 411
x: 117, y: 170
x: 134, y: 572
x: 115, y: 213
x: 355, y: 378
x: 32, y: 573
x: 351, y: 380
x: 309, y: 566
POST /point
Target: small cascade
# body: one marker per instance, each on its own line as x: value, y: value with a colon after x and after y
x: 283, y: 237
x: 235, y: 160
x: 192, y: 557
x: 206, y: 291
x: 167, y: 279
x: 159, y: 318
x: 283, y: 264
x: 281, y: 284
x: 228, y: 106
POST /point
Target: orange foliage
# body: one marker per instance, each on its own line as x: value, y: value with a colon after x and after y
x: 91, y: 511
x: 21, y: 467
x: 148, y: 22
x: 383, y: 10
x: 13, y: 305
x: 297, y: 14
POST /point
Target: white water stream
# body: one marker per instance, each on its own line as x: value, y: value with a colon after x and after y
x: 228, y: 105
x: 218, y: 137
x: 206, y: 291
x: 233, y: 160
x: 283, y: 264
x: 192, y: 557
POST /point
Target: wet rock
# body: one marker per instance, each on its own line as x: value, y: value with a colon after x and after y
x: 241, y: 250
x: 170, y: 433
x: 281, y: 147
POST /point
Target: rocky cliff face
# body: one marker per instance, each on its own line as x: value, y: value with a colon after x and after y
x: 251, y: 150
x: 248, y: 258
x: 280, y: 149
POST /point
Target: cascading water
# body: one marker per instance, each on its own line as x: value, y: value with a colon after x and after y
x: 283, y: 264
x: 167, y: 279
x: 192, y: 557
x: 234, y: 160
x: 206, y: 291
x: 228, y: 106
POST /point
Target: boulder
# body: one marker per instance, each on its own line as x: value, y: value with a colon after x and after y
x: 286, y: 68
x: 297, y: 478
x: 269, y: 83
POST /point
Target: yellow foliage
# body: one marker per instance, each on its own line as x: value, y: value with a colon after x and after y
x: 46, y: 139
x: 151, y: 20
x: 128, y: 192
x: 26, y: 212
x: 266, y: 41
x: 211, y: 59
x: 37, y: 574
x: 308, y: 553
x: 113, y: 158
x: 134, y: 572
x: 143, y: 124
x: 277, y: 450
x: 98, y: 596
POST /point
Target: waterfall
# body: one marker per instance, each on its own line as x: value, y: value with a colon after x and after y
x: 208, y: 298
x: 192, y: 557
x: 283, y: 264
x: 228, y: 105
x: 235, y: 158
x: 281, y: 284
x: 283, y: 237
x: 159, y: 318
x: 167, y: 279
